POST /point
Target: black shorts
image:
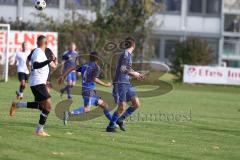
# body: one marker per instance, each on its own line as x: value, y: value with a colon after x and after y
x: 22, y: 76
x: 40, y: 92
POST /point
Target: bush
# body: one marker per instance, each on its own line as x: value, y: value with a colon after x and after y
x: 193, y: 51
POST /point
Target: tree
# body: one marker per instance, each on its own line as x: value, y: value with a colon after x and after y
x: 127, y: 18
x: 193, y: 51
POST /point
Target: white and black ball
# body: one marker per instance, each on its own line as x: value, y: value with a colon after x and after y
x: 40, y: 5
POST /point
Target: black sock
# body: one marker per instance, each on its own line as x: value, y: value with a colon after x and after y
x: 21, y: 88
x: 43, y: 117
x: 34, y: 105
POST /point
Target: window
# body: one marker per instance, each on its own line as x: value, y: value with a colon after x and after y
x: 213, y: 6
x: 170, y: 46
x: 157, y: 48
x: 50, y: 3
x: 232, y: 23
x: 80, y: 4
x: 205, y: 7
x: 171, y: 5
x: 231, y: 46
x: 214, y: 45
x: 195, y: 6
x: 8, y: 2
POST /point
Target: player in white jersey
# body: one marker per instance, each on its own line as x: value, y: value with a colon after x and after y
x: 23, y: 72
x: 38, y: 79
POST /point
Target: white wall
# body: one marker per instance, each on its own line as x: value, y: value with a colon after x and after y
x: 197, y: 24
x: 8, y: 12
x: 27, y: 13
x: 203, y: 24
x: 167, y: 22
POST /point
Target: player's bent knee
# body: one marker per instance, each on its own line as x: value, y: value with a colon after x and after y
x: 102, y: 104
x: 23, y: 83
x: 47, y: 104
x: 121, y: 108
x: 136, y: 102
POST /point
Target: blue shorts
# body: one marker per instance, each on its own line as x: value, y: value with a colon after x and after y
x: 123, y: 92
x: 90, y: 98
x: 71, y: 76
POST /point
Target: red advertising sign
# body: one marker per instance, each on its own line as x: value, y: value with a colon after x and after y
x: 18, y: 37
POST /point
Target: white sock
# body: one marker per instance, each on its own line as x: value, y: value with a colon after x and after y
x: 22, y: 105
x: 39, y: 128
x: 20, y: 94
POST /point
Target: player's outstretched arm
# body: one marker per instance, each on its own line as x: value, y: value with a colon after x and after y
x: 136, y: 75
x: 64, y: 74
x: 108, y: 84
x: 128, y: 70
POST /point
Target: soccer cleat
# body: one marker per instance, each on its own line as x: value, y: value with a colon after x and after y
x: 42, y: 134
x: 13, y: 108
x: 111, y: 127
x: 121, y: 125
x: 65, y: 117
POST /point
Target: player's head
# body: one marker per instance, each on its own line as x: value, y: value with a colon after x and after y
x: 42, y: 42
x: 93, y: 56
x: 72, y: 46
x: 24, y: 46
x: 130, y: 43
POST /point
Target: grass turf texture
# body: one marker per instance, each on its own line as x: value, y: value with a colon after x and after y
x: 212, y: 133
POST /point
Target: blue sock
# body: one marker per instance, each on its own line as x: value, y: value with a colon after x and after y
x: 78, y: 110
x: 126, y: 114
x: 107, y: 114
x: 115, y: 117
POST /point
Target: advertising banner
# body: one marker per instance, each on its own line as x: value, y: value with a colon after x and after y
x: 18, y: 37
x: 211, y: 75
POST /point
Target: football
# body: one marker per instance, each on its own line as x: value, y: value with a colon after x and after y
x: 40, y: 4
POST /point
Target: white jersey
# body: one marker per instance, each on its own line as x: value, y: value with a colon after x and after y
x: 38, y: 76
x: 21, y: 58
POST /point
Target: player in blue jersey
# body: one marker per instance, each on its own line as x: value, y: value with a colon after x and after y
x: 123, y: 91
x: 90, y: 72
x: 68, y: 61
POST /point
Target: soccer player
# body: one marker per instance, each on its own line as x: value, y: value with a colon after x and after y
x: 90, y: 72
x: 123, y: 91
x: 69, y: 60
x: 23, y: 72
x: 38, y: 78
x: 49, y: 54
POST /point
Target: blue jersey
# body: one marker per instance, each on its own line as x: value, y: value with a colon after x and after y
x: 123, y: 67
x: 89, y: 72
x: 69, y: 59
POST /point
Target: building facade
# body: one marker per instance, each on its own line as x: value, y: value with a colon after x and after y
x: 216, y: 21
x: 23, y: 10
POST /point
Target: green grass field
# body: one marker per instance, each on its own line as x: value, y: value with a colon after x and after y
x: 212, y: 133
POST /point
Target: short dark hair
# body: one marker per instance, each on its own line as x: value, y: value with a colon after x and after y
x: 93, y: 56
x: 129, y: 42
x: 40, y: 39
